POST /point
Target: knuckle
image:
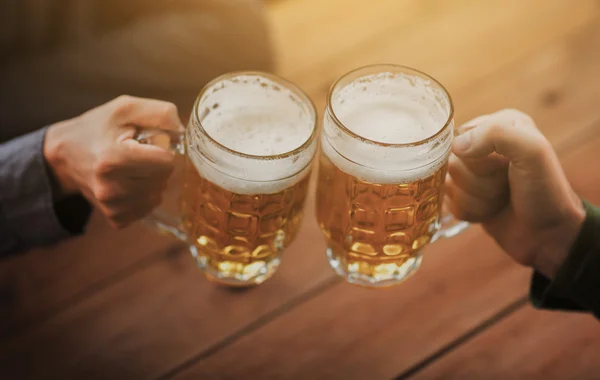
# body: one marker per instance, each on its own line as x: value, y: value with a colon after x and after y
x: 124, y: 104
x: 512, y: 111
x: 527, y: 119
x: 519, y: 117
x: 539, y: 146
x: 495, y: 131
x: 167, y: 113
x: 117, y: 218
x: 119, y: 224
x: 169, y: 109
x: 123, y: 100
x: 105, y: 194
x: 104, y: 166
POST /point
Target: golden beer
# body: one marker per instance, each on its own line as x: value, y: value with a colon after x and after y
x: 246, y: 157
x: 377, y: 229
x: 238, y: 235
x: 385, y: 144
x: 249, y: 149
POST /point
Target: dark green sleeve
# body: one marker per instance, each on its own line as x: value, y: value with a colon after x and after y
x: 577, y: 283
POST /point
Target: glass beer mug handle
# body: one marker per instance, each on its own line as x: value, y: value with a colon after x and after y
x: 173, y: 141
x: 170, y: 140
x: 450, y: 226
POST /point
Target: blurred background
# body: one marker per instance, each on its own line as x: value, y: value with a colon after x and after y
x: 490, y: 54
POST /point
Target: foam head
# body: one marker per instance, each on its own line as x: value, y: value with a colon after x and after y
x: 246, y: 131
x: 394, y: 119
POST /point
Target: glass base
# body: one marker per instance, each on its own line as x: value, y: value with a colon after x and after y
x: 374, y: 275
x: 235, y: 274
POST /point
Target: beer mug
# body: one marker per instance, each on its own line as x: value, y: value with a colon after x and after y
x: 386, y: 139
x: 248, y: 150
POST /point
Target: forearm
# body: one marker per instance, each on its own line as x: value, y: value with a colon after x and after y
x: 577, y: 283
x: 31, y: 212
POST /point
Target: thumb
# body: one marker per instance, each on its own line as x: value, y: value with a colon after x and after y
x: 509, y: 133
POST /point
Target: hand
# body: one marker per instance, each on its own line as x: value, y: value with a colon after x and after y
x: 506, y: 176
x: 94, y: 154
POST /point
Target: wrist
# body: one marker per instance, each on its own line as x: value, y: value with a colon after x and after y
x: 557, y: 244
x: 55, y: 153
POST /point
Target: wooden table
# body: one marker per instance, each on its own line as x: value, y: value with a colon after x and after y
x: 131, y: 305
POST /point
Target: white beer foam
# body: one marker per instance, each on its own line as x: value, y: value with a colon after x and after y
x: 253, y: 115
x: 258, y: 116
x: 392, y: 109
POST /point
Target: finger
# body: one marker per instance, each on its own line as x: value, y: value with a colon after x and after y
x: 120, y: 191
x: 486, y: 166
x: 130, y: 205
x: 124, y: 214
x: 491, y: 186
x: 509, y: 133
x: 470, y: 124
x: 148, y: 113
x: 465, y: 206
x: 141, y: 210
x: 448, y: 206
x: 142, y: 160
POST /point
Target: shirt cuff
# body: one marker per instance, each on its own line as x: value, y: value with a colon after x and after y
x: 577, y: 283
x: 27, y: 200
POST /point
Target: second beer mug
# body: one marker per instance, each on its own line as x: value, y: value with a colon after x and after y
x: 248, y: 151
x: 386, y: 140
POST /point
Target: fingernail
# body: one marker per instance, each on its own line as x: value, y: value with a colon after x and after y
x: 462, y: 142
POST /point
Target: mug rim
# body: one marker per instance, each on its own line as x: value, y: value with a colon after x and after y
x: 280, y: 80
x: 398, y: 68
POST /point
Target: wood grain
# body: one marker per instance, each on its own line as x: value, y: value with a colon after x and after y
x: 353, y: 333
x: 158, y: 317
x: 455, y: 41
x: 530, y: 344
x: 41, y: 282
x: 557, y: 85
